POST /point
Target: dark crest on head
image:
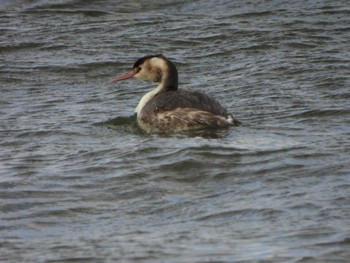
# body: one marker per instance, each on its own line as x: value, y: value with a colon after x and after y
x: 140, y: 61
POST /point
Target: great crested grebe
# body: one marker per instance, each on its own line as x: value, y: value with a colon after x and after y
x: 166, y: 108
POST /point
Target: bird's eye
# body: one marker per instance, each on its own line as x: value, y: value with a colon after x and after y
x: 139, y: 69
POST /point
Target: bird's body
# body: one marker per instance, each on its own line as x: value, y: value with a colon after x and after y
x: 166, y: 108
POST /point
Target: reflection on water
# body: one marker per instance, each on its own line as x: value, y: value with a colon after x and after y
x: 79, y: 181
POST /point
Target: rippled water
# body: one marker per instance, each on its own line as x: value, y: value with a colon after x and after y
x: 80, y: 182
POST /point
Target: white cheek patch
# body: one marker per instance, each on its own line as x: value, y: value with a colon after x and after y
x: 141, y: 75
x: 158, y: 62
x: 152, y: 70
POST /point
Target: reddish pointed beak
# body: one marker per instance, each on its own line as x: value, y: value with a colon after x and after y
x: 128, y: 75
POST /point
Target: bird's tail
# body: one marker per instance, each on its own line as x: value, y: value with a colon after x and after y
x: 232, y: 120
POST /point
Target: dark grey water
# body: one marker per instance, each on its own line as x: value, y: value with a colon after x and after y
x: 80, y: 183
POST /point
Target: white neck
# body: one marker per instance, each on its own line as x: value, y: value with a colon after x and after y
x: 147, y: 97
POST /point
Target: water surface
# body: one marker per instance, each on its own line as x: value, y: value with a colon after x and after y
x: 79, y: 182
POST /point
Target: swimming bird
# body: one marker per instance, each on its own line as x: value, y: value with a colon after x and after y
x: 168, y: 108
